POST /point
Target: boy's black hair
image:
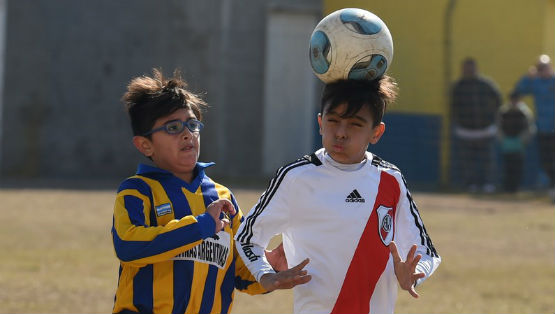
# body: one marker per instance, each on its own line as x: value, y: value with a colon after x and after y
x: 150, y: 98
x: 376, y: 94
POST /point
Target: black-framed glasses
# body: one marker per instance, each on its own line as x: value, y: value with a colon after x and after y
x: 177, y: 126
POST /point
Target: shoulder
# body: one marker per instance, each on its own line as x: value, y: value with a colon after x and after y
x: 222, y: 190
x: 299, y: 166
x: 487, y: 81
x: 135, y: 183
x: 522, y: 106
x: 384, y: 166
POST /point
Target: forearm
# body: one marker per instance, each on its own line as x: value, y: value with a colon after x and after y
x: 254, y: 258
x: 141, y: 245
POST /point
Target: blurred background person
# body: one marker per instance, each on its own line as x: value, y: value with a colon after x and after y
x: 540, y: 83
x: 516, y: 126
x: 475, y: 101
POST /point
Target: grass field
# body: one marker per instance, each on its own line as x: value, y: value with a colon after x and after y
x: 498, y: 254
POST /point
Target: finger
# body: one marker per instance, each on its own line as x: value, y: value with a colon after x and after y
x: 287, y: 283
x: 299, y: 280
x: 410, y: 254
x: 301, y: 265
x: 415, y: 262
x: 418, y: 276
x: 291, y: 275
x: 220, y: 225
x: 225, y: 222
x: 413, y: 292
x: 228, y: 207
x: 394, y: 252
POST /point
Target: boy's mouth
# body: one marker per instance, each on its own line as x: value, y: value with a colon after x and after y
x: 187, y: 147
x: 338, y: 147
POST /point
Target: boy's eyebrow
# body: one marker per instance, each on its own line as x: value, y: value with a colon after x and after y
x: 353, y: 116
x: 177, y: 119
x: 170, y: 120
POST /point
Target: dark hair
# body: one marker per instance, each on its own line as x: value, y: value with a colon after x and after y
x: 376, y: 94
x: 469, y: 60
x: 150, y: 98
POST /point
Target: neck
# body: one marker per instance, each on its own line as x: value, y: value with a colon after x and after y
x: 345, y: 167
x: 187, y: 177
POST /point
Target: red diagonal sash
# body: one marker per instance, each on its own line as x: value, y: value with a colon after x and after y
x: 371, y: 255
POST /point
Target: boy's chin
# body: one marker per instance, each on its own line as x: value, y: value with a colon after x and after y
x: 344, y: 158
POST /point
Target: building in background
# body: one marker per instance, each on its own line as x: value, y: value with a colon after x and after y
x: 67, y: 64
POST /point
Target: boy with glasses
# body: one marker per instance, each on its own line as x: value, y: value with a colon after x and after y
x: 173, y: 226
x: 342, y: 207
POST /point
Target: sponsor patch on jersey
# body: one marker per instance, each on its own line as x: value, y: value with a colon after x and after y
x: 163, y: 209
x: 247, y: 249
x: 213, y: 250
x: 385, y: 224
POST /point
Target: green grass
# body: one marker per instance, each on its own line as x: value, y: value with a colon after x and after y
x: 498, y: 254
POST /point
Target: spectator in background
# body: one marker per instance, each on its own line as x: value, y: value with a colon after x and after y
x: 540, y: 83
x: 516, y: 125
x: 475, y: 101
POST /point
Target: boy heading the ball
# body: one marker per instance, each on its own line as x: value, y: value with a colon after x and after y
x: 346, y: 209
x: 173, y: 226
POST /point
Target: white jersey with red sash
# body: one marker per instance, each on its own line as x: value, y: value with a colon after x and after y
x: 343, y: 221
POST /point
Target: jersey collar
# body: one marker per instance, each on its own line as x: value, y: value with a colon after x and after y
x: 153, y: 171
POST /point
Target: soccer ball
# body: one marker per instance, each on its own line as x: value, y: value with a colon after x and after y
x: 350, y: 44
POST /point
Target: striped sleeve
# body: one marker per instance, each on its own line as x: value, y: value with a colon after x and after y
x: 270, y: 216
x: 137, y: 238
x: 410, y: 230
x: 244, y: 280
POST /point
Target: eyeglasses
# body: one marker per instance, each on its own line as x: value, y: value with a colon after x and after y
x: 177, y: 126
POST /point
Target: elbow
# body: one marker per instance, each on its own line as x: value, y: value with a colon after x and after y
x: 126, y: 251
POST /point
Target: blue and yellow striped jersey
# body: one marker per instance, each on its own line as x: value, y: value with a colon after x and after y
x: 170, y: 259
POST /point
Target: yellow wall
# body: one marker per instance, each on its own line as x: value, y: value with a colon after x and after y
x: 417, y: 49
x: 505, y: 37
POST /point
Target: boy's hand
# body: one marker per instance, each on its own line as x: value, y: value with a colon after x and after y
x: 277, y: 258
x: 286, y: 279
x: 405, y: 270
x: 216, y: 208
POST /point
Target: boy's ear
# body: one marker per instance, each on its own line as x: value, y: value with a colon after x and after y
x: 320, y: 123
x: 143, y: 144
x: 377, y: 133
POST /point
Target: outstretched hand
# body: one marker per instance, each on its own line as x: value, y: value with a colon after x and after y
x: 405, y: 270
x: 286, y: 279
x: 216, y: 208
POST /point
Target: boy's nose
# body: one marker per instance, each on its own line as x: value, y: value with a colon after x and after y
x: 341, y: 131
x: 186, y: 133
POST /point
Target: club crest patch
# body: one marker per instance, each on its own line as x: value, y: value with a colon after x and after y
x: 385, y: 224
x: 163, y: 209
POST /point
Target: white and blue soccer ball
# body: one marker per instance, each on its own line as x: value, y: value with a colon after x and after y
x: 350, y: 44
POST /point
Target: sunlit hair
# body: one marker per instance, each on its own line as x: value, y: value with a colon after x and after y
x: 544, y: 59
x: 376, y: 94
x: 150, y: 98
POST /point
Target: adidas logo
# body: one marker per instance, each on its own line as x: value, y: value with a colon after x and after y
x: 354, y: 197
